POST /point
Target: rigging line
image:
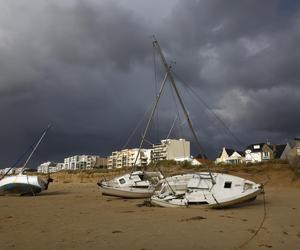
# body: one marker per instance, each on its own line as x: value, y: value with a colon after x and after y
x: 165, y: 178
x: 188, y: 119
x: 170, y: 131
x: 188, y: 135
x: 260, y: 225
x: 22, y: 155
x: 156, y: 92
x: 136, y: 127
x: 156, y: 166
x: 178, y: 113
x: 150, y: 118
x: 193, y: 91
x: 149, y: 142
x: 17, y: 161
x: 211, y: 110
x: 35, y: 147
x: 172, y: 80
x: 178, y: 116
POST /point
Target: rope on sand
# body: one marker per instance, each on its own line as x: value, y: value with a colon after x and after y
x: 260, y: 226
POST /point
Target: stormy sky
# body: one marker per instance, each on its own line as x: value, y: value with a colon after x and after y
x: 89, y: 68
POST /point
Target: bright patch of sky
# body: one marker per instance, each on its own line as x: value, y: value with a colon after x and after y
x: 256, y: 45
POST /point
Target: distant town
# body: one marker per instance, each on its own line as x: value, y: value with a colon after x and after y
x: 169, y: 149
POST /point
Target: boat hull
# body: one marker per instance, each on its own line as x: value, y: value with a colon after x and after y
x: 164, y: 203
x: 198, y: 190
x: 176, y: 203
x: 21, y: 185
x: 19, y: 188
x: 127, y: 192
x: 237, y: 201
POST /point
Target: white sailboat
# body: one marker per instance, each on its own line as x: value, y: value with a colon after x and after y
x: 138, y: 184
x: 222, y: 190
x: 23, y: 184
x: 205, y: 188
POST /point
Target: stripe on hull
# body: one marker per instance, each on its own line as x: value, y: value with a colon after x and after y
x: 19, y: 188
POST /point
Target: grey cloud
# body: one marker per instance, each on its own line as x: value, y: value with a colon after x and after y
x: 88, y: 67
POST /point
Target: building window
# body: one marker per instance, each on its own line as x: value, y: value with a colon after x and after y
x: 298, y: 151
x: 266, y: 155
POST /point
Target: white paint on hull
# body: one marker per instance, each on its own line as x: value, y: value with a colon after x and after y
x: 21, y: 184
x: 127, y: 192
x: 138, y: 184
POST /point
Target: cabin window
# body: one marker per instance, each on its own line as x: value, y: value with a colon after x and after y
x: 298, y: 151
x: 227, y: 184
x: 122, y: 181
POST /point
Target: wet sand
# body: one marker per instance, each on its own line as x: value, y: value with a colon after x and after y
x: 76, y: 216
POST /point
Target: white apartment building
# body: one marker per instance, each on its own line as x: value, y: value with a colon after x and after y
x: 50, y: 167
x: 171, y: 149
x: 77, y: 162
x: 127, y: 157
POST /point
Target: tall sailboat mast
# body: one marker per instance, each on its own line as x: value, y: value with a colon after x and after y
x: 172, y: 80
x: 35, y: 147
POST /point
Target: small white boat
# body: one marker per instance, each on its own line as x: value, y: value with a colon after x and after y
x: 23, y: 185
x: 138, y: 184
x: 214, y: 190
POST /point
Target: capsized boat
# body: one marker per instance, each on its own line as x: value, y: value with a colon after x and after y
x: 21, y: 183
x: 138, y: 184
x: 215, y: 190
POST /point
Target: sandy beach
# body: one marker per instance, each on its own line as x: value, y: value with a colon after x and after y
x: 76, y: 216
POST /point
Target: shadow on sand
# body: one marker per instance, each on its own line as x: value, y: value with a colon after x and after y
x: 253, y: 203
x: 53, y: 193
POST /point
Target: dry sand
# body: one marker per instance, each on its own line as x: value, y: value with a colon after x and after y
x: 75, y: 216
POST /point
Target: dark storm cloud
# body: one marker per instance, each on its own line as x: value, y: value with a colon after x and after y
x: 72, y: 65
x: 87, y: 66
x: 243, y: 57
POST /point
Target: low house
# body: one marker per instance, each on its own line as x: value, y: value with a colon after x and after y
x: 259, y: 152
x: 265, y: 151
x: 230, y: 156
